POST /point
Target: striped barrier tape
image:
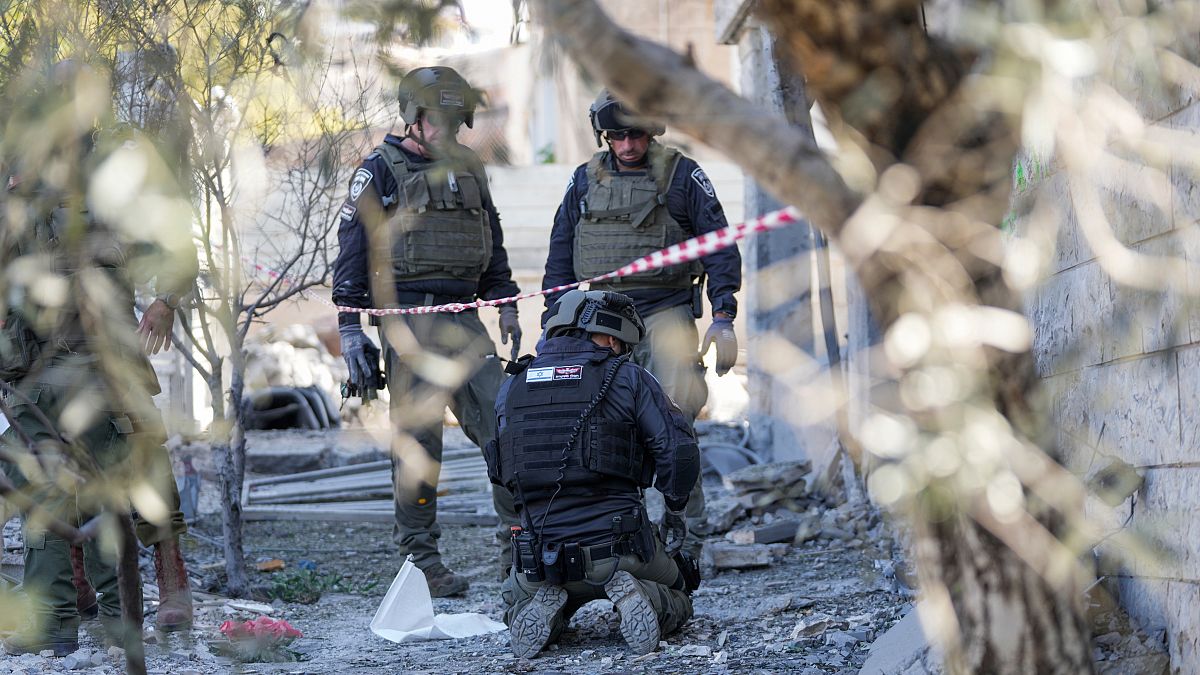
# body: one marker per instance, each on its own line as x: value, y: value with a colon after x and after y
x: 676, y: 254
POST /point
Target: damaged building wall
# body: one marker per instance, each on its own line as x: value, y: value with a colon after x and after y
x: 786, y: 358
x: 1121, y: 373
x: 1120, y: 367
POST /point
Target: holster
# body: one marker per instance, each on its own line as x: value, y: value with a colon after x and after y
x: 698, y: 298
x: 689, y: 569
x: 634, y: 535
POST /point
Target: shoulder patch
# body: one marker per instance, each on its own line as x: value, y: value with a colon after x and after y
x: 348, y: 211
x: 359, y: 183
x: 571, y: 183
x: 702, y: 180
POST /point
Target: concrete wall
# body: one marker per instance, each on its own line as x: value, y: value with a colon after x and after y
x: 786, y: 359
x: 1121, y: 370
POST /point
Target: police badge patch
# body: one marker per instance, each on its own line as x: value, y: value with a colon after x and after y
x: 359, y: 183
x: 702, y: 180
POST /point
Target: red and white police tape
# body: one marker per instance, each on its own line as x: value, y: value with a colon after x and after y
x: 676, y: 254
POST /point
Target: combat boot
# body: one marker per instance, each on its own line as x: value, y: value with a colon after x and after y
x: 85, y: 595
x: 639, y: 621
x: 58, y: 635
x: 444, y: 583
x: 174, y: 591
x: 533, y: 626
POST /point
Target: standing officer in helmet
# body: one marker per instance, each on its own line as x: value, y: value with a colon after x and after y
x: 419, y: 228
x: 631, y: 199
x: 583, y: 429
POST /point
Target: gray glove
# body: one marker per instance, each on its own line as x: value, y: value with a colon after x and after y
x: 510, y: 326
x: 362, y: 356
x: 721, y: 333
x: 674, y: 531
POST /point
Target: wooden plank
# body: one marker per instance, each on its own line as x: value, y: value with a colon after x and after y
x: 323, y: 513
x: 324, y: 473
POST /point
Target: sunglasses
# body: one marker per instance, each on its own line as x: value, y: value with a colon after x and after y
x: 632, y: 134
x: 443, y: 120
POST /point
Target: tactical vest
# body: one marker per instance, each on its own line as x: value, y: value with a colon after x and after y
x: 438, y: 226
x: 625, y: 217
x: 56, y: 243
x: 544, y: 404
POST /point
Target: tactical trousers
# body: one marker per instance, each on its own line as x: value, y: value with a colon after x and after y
x: 109, y: 440
x: 671, y: 353
x: 659, y: 578
x: 424, y: 355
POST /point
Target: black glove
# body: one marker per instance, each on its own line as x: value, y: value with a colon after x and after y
x: 674, y: 531
x: 510, y: 326
x: 362, y: 356
x: 721, y: 333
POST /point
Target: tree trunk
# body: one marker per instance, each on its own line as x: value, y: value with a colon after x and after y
x: 231, y: 470
x: 234, y: 474
x: 129, y: 587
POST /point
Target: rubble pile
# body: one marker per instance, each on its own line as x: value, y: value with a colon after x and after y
x: 764, y: 510
x: 292, y: 356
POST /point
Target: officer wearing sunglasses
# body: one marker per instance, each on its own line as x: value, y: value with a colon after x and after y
x: 632, y: 198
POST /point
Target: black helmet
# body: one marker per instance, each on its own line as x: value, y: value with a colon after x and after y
x: 597, y: 312
x: 437, y: 88
x: 609, y: 114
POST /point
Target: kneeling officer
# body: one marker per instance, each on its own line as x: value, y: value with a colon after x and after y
x: 583, y: 430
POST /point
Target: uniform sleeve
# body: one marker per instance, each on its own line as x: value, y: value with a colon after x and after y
x: 362, y: 210
x: 560, y: 261
x: 705, y: 213
x: 496, y: 281
x: 668, y: 436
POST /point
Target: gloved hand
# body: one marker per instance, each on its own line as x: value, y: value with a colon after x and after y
x: 721, y: 333
x: 362, y: 356
x: 674, y: 531
x: 510, y: 326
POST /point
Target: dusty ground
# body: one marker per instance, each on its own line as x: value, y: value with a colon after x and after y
x: 744, y: 620
x: 771, y: 619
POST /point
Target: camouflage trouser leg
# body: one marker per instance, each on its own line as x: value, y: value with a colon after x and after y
x: 671, y: 354
x: 48, y: 573
x: 161, y: 476
x: 659, y: 578
x: 416, y: 412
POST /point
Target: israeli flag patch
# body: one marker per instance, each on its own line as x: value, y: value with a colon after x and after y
x: 552, y: 373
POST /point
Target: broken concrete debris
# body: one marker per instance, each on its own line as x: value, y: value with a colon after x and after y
x: 816, y: 624
x: 733, y: 556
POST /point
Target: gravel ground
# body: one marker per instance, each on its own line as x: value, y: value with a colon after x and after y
x: 744, y: 620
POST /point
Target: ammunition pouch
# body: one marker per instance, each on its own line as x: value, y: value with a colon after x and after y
x: 562, y: 563
x: 20, y: 348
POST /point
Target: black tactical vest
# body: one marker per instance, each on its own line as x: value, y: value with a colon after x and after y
x: 438, y: 226
x: 544, y: 404
x: 625, y: 217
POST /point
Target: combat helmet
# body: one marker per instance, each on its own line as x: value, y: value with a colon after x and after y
x: 438, y: 88
x: 609, y: 114
x: 604, y: 312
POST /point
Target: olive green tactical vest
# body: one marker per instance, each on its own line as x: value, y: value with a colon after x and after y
x: 438, y: 226
x: 625, y: 217
x: 27, y: 332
